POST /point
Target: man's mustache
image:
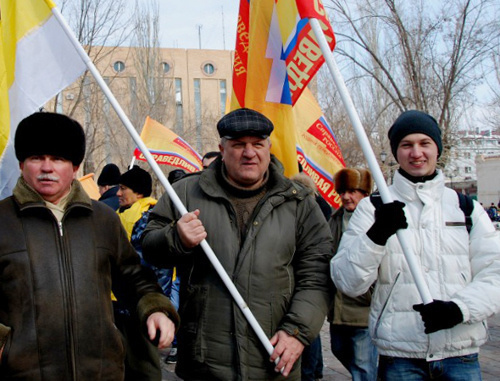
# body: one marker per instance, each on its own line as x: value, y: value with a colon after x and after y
x: 47, y: 177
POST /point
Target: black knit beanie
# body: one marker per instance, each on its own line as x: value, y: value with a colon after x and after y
x: 138, y: 180
x: 47, y: 133
x: 110, y: 175
x: 414, y: 122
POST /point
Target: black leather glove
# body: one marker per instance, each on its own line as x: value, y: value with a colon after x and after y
x: 389, y: 218
x: 439, y: 315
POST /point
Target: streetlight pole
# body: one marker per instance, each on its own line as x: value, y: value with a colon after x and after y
x: 383, y: 158
x: 391, y: 165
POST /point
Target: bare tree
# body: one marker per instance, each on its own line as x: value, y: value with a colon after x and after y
x: 154, y: 88
x: 96, y: 23
x: 423, y: 54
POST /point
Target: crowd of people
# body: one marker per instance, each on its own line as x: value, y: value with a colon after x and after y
x: 92, y: 289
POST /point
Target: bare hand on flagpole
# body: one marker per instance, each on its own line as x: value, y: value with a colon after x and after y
x: 287, y: 349
x: 191, y: 230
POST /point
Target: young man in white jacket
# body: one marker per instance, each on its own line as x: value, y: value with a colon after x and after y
x: 439, y: 340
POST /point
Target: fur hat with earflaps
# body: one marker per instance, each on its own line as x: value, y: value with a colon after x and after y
x: 353, y: 179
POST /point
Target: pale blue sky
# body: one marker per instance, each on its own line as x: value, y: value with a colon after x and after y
x: 180, y: 19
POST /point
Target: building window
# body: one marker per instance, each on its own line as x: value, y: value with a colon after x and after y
x: 467, y: 155
x: 468, y: 169
x: 119, y: 66
x: 165, y: 66
x: 208, y: 68
x: 179, y: 118
x: 223, y: 96
x: 197, y: 112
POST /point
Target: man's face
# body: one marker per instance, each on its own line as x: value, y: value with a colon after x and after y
x: 350, y: 199
x: 50, y: 176
x: 126, y: 196
x: 417, y: 155
x: 246, y: 160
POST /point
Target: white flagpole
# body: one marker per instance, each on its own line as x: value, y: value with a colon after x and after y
x: 370, y: 157
x: 170, y: 191
x: 132, y: 162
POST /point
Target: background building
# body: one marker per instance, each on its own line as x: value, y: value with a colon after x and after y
x: 488, y: 179
x: 472, y: 148
x: 185, y: 90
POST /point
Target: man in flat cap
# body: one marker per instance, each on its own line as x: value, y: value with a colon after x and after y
x: 439, y: 340
x: 271, y: 239
x: 61, y: 256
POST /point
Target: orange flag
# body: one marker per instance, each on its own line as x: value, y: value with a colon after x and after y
x: 168, y: 148
x: 276, y: 56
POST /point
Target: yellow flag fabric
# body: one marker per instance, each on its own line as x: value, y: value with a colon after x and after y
x: 37, y: 60
x: 262, y: 81
x: 168, y: 148
x: 90, y: 186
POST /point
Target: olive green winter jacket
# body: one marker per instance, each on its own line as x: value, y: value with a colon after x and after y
x: 280, y: 270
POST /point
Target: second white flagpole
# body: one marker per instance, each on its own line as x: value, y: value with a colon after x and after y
x: 370, y: 157
x: 170, y: 191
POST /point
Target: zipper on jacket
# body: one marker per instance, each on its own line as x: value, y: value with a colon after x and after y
x: 379, y: 319
x: 67, y: 282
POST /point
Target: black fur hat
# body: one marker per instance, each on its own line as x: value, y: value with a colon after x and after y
x: 138, y: 180
x: 110, y: 175
x: 47, y: 133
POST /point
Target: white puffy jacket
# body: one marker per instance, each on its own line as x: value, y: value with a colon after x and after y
x: 457, y: 266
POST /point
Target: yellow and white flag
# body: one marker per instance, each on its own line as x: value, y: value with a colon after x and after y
x: 37, y: 61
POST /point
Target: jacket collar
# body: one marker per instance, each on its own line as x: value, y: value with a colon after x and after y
x: 410, y: 191
x: 277, y: 182
x: 26, y: 197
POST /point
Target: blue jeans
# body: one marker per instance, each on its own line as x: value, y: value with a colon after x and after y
x: 354, y: 349
x: 463, y: 368
x: 312, y: 361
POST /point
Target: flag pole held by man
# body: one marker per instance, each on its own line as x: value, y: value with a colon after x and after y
x: 462, y: 268
x: 272, y: 240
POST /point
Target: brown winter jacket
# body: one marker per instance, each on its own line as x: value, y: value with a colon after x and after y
x: 56, y: 318
x: 281, y: 270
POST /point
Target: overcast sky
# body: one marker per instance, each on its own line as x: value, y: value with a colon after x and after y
x: 180, y: 20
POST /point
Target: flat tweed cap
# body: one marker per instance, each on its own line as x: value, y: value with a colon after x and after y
x: 244, y: 122
x: 47, y: 133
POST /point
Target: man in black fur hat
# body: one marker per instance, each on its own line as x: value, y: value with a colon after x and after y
x: 61, y: 256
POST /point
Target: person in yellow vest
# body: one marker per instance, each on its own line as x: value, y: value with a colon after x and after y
x: 134, y: 195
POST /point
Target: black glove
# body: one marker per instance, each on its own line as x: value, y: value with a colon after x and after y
x: 439, y: 315
x: 389, y: 218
